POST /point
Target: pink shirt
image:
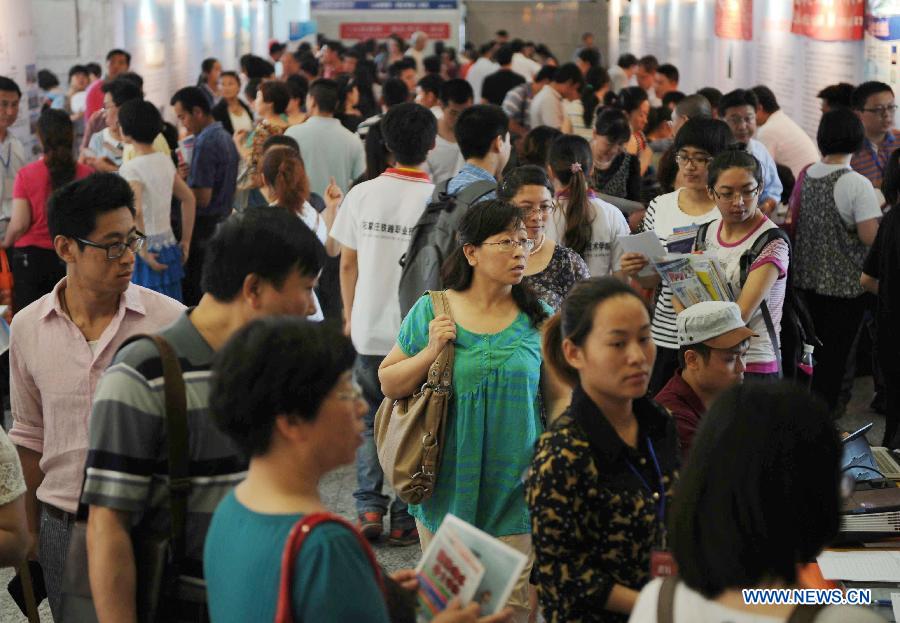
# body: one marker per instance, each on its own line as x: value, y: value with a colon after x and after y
x: 93, y: 101
x: 53, y: 375
x: 33, y: 184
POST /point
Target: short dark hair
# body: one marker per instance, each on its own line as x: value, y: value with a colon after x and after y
x: 589, y: 56
x: 734, y: 156
x: 309, y: 64
x: 132, y: 76
x: 835, y: 95
x: 275, y: 366
x: 277, y: 46
x: 394, y: 92
x: 840, y: 132
x: 751, y: 436
x: 672, y: 98
x: 191, y: 98
x: 9, y: 85
x: 612, y: 123
x: 398, y: 67
x: 72, y: 210
x: 504, y: 55
x: 281, y: 140
x: 122, y: 90
x: 864, y: 91
x: 276, y: 93
x: 431, y: 83
x: 432, y: 64
x: 627, y: 60
x: 737, y: 98
x: 657, y: 117
x: 78, y: 69
x: 536, y: 145
x: 525, y: 175
x: 569, y: 72
x: 298, y: 87
x: 140, y: 120
x: 766, y: 98
x: 711, y: 135
x: 694, y: 107
x: 326, y: 94
x: 649, y: 63
x: 258, y: 67
x: 409, y: 132
x: 477, y: 127
x: 545, y: 73
x: 701, y: 349
x: 94, y: 68
x: 485, y: 48
x: 269, y: 242
x: 630, y: 99
x: 712, y: 95
x: 117, y: 52
x: 669, y: 71
x: 458, y: 91
x: 47, y: 80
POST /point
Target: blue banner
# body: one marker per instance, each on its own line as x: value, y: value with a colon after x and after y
x: 884, y: 28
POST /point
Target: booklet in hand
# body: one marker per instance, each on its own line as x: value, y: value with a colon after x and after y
x: 468, y: 564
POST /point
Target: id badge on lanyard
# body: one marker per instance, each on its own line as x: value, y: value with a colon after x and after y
x: 662, y: 563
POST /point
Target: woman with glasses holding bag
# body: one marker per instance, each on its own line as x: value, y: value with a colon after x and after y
x: 552, y: 268
x: 494, y: 417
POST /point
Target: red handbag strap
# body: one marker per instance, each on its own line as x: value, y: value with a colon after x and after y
x: 4, y: 262
x: 292, y: 546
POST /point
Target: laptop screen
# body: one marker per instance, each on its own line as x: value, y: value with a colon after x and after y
x: 857, y: 459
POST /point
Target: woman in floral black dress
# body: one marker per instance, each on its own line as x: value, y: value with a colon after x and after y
x: 552, y: 268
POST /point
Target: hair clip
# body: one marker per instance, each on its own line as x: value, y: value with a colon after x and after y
x: 575, y: 167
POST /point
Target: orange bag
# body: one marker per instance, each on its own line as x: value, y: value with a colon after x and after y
x: 6, y: 285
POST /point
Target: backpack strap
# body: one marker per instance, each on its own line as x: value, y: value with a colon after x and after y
x: 700, y: 237
x: 805, y: 613
x: 665, y: 605
x: 475, y: 191
x: 296, y: 538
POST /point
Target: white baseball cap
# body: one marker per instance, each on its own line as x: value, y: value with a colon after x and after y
x: 716, y: 324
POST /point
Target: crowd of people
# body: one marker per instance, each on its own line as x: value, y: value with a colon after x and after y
x: 279, y: 235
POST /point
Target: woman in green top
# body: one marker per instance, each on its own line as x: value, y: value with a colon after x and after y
x: 282, y: 390
x: 495, y: 411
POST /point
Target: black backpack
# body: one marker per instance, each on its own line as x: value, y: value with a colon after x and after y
x: 433, y: 239
x: 797, y: 326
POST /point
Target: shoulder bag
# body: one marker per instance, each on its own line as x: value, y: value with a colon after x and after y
x: 157, y: 557
x: 409, y: 431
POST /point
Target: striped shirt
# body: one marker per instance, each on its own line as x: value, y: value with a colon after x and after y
x: 664, y: 217
x: 870, y: 161
x: 127, y: 464
x: 516, y: 103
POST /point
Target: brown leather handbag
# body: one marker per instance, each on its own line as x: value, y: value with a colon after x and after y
x: 409, y: 431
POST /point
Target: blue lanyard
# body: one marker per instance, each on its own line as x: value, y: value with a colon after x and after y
x: 661, y: 503
x: 875, y: 152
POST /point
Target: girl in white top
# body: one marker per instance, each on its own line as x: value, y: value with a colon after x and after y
x: 152, y: 177
x: 584, y: 223
x: 682, y: 211
x: 738, y: 524
x: 287, y: 186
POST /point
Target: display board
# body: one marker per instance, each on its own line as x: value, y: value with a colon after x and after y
x: 17, y: 61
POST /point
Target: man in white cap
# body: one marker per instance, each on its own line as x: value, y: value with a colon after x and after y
x: 712, y: 340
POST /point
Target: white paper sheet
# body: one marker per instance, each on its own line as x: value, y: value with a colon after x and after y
x: 646, y: 243
x: 862, y: 566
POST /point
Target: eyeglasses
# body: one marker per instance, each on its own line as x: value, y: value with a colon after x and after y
x: 115, y: 250
x: 350, y: 395
x: 882, y: 110
x: 729, y: 195
x: 697, y: 161
x: 546, y: 209
x: 509, y: 245
x: 737, y: 119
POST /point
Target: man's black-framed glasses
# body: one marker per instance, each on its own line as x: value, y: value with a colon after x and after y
x: 115, y: 250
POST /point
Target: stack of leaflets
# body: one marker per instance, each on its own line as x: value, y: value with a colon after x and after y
x: 464, y: 563
x: 694, y: 277
x: 682, y: 239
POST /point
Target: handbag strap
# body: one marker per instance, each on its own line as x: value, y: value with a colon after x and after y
x: 440, y: 374
x: 665, y: 605
x: 296, y: 538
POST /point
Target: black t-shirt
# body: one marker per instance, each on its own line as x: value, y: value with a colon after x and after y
x: 496, y: 85
x: 883, y: 263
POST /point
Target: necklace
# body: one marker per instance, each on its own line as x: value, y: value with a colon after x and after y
x: 8, y: 159
x: 537, y: 249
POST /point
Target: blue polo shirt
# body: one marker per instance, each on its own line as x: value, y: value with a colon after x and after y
x: 215, y: 165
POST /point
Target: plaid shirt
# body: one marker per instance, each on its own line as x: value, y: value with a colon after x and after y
x: 516, y: 103
x: 871, y: 161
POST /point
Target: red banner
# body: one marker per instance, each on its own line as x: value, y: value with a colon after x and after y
x: 829, y: 20
x: 382, y: 30
x: 734, y: 19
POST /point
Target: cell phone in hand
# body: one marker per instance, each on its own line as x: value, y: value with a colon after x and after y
x: 17, y: 591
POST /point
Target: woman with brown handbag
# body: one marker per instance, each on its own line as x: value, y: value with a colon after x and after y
x: 496, y: 399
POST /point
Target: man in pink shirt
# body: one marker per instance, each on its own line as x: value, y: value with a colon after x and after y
x: 117, y: 62
x: 61, y: 345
